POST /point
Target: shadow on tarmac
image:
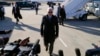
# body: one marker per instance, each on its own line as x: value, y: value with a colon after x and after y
x: 91, y: 26
x: 6, y: 29
x: 20, y: 27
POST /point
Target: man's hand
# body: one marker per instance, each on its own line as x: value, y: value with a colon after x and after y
x: 56, y: 35
x: 42, y: 36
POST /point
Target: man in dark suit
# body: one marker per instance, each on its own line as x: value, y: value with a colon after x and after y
x: 16, y: 12
x: 36, y: 8
x: 62, y: 15
x: 49, y: 29
x: 58, y: 13
x: 2, y: 13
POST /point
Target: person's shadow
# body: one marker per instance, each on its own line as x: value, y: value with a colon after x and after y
x: 20, y: 27
x: 6, y: 29
x: 91, y: 26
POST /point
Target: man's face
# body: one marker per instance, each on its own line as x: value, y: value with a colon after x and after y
x: 62, y: 6
x: 50, y: 12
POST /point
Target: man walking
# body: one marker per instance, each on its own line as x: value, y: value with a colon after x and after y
x: 36, y: 8
x: 49, y: 30
x: 2, y: 13
x: 58, y: 13
x: 62, y: 15
x: 16, y: 12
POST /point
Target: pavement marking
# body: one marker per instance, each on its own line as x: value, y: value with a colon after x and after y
x: 63, y: 42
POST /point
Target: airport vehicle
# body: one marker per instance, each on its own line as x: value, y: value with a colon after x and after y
x: 93, y: 7
x: 5, y: 3
x: 34, y: 2
x: 25, y: 5
x: 51, y: 3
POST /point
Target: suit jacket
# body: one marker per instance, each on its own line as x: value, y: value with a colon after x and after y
x: 16, y: 12
x: 62, y: 13
x: 58, y: 11
x: 2, y: 12
x: 49, y: 27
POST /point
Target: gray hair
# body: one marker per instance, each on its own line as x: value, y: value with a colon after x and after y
x: 49, y: 9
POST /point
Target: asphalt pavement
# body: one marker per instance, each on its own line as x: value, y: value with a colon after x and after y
x: 75, y: 33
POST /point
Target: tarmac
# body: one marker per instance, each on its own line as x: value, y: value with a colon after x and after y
x: 75, y: 33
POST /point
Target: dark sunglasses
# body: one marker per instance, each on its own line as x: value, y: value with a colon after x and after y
x: 50, y: 12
